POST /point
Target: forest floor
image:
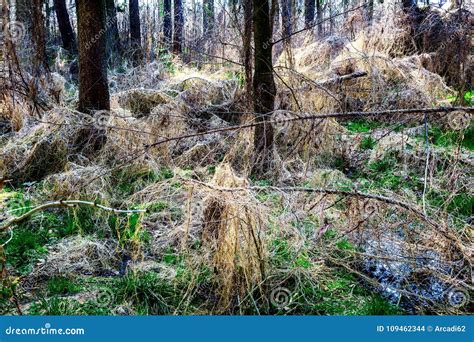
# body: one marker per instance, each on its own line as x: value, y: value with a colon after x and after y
x: 368, y: 215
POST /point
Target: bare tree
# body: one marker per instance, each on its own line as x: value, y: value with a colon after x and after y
x: 208, y: 17
x: 167, y: 23
x: 114, y: 45
x: 93, y: 86
x: 309, y: 8
x: 178, y: 27
x: 135, y: 31
x: 65, y: 28
x: 263, y: 86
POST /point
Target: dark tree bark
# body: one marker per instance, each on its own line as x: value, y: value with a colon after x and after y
x: 67, y: 33
x: 114, y: 45
x: 178, y: 27
x: 309, y: 8
x: 370, y: 10
x: 247, y: 42
x: 408, y: 6
x: 38, y: 37
x: 263, y: 86
x: 286, y: 18
x: 208, y: 17
x: 135, y: 31
x: 319, y: 16
x: 167, y: 24
x: 93, y: 86
x: 23, y: 12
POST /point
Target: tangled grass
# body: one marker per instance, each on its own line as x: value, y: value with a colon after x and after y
x: 366, y: 216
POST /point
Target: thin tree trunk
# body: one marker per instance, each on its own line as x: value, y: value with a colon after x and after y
x: 38, y: 37
x: 208, y: 17
x: 93, y: 86
x: 319, y: 17
x: 178, y: 27
x: 67, y: 34
x: 309, y: 7
x: 263, y: 87
x: 135, y: 31
x: 167, y: 24
x: 286, y: 18
x: 23, y: 12
x: 247, y: 42
x: 114, y: 45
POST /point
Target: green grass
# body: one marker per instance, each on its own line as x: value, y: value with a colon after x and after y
x: 62, y: 286
x: 147, y: 292
x: 362, y: 126
x: 450, y: 139
x: 367, y: 143
x: 55, y: 306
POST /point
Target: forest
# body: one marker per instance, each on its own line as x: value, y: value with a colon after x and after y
x: 236, y: 157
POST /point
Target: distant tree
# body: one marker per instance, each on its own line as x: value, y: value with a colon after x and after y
x: 114, y: 45
x: 319, y: 16
x: 208, y: 17
x: 37, y: 27
x: 93, y: 85
x: 263, y: 86
x: 167, y: 23
x: 309, y: 8
x: 370, y: 10
x: 23, y: 12
x: 178, y: 27
x: 247, y: 50
x: 286, y: 18
x: 65, y: 28
x: 135, y: 31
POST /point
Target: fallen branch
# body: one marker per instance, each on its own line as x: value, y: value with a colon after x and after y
x: 339, y: 79
x: 307, y: 117
x: 68, y: 204
x: 408, y: 206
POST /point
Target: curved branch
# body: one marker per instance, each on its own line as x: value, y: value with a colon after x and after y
x: 58, y: 204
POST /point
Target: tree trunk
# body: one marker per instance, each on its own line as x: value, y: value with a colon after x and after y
x: 67, y: 34
x: 178, y: 27
x: 208, y: 17
x: 309, y: 7
x: 93, y: 86
x: 263, y: 87
x: 408, y: 6
x: 370, y: 10
x: 167, y: 24
x: 247, y: 42
x: 23, y: 12
x: 319, y: 17
x: 331, y: 19
x: 38, y: 37
x: 114, y: 45
x: 286, y: 19
x: 135, y: 31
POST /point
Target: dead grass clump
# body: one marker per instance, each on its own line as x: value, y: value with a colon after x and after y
x: 79, y: 256
x: 149, y: 75
x: 309, y: 137
x: 232, y: 232
x: 140, y: 101
x: 65, y: 185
